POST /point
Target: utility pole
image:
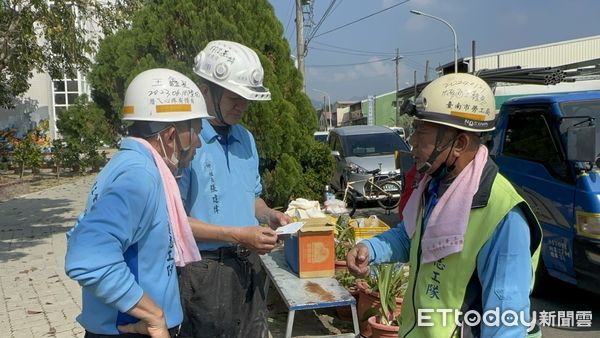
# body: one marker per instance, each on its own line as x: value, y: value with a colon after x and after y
x: 397, y: 59
x: 426, y: 70
x: 473, y: 57
x: 415, y: 81
x: 300, y: 40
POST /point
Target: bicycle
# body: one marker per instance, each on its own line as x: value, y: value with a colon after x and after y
x: 385, y: 190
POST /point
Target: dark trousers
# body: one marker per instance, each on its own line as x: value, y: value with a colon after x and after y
x: 223, y: 296
x: 172, y: 333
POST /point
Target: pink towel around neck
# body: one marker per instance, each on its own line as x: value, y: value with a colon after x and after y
x: 447, y: 224
x: 186, y: 250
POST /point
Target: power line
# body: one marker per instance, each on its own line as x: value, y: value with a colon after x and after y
x: 328, y: 11
x: 348, y: 64
x: 289, y: 18
x: 355, y: 50
x: 351, y: 53
x: 437, y: 50
x: 363, y: 18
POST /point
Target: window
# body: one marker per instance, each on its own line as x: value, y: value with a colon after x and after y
x: 374, y: 144
x: 66, y: 92
x: 334, y: 143
x: 529, y: 137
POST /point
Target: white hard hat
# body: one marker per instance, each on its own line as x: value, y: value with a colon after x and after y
x: 458, y: 100
x: 234, y: 67
x: 163, y: 95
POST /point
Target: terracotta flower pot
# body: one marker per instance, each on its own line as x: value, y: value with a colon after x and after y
x: 368, y: 299
x: 382, y: 331
x: 341, y: 266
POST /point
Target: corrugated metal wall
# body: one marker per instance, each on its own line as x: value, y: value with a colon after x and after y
x: 549, y: 55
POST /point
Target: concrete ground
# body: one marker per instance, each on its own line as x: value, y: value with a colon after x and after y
x: 39, y: 300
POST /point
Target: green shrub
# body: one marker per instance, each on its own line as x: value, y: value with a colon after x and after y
x: 84, y: 129
x: 27, y: 154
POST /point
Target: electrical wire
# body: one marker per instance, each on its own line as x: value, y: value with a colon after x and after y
x: 410, y: 53
x: 289, y: 19
x: 328, y: 11
x: 360, y: 19
x: 348, y: 64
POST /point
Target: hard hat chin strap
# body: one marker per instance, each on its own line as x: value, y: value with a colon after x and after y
x: 216, y: 92
x: 439, y: 148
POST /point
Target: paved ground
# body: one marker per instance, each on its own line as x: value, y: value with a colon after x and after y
x: 40, y: 301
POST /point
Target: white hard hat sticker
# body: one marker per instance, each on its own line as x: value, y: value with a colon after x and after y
x: 177, y: 92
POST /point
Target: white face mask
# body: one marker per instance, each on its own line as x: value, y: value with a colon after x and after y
x: 174, y: 161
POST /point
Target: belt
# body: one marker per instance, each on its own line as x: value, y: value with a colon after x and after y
x: 223, y: 253
x: 173, y: 332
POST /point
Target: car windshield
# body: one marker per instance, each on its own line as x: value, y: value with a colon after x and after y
x: 579, y: 111
x: 374, y: 144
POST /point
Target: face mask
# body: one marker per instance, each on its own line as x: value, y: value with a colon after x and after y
x: 183, y: 153
x: 174, y: 161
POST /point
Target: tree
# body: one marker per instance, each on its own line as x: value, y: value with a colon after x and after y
x: 27, y: 154
x: 58, y: 38
x: 84, y: 129
x: 170, y: 34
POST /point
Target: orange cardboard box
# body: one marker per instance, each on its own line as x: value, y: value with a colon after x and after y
x: 311, y: 253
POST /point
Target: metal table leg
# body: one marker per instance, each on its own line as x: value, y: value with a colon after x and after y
x: 290, y: 323
x: 355, y: 320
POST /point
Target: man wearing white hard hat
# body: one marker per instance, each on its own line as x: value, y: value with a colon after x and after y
x: 223, y: 294
x: 125, y: 247
x: 471, y: 240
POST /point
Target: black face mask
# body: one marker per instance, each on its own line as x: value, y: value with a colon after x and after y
x: 439, y: 148
x: 443, y: 170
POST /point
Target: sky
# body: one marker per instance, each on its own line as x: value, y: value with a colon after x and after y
x: 355, y: 61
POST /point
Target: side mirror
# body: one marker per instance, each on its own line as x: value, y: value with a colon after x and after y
x: 581, y: 143
x: 335, y: 153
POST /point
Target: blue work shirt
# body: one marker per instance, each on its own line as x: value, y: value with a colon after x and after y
x: 222, y: 183
x: 503, y: 264
x: 122, y: 246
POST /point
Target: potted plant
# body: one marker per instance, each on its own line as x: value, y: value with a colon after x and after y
x: 344, y: 241
x: 391, y: 283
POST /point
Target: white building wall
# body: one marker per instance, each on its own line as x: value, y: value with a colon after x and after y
x: 33, y: 107
x: 549, y: 55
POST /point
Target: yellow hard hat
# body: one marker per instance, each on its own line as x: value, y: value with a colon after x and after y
x: 458, y: 100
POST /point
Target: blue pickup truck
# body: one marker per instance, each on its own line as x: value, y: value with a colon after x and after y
x: 548, y: 146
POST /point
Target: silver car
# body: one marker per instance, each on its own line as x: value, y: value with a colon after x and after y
x: 363, y: 151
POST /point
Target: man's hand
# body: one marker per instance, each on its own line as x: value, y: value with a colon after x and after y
x: 258, y: 239
x: 154, y: 330
x: 277, y: 219
x: 357, y: 260
x: 152, y: 320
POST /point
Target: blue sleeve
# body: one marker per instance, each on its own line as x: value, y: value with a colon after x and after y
x: 390, y: 246
x: 121, y: 215
x: 505, y: 273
